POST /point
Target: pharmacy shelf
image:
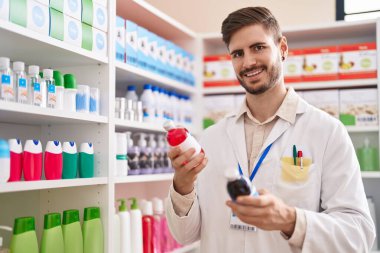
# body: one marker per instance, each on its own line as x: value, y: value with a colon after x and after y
x: 19, y: 43
x: 224, y: 90
x: 144, y: 178
x: 129, y: 74
x: 188, y: 248
x: 51, y: 184
x: 370, y: 174
x: 124, y: 125
x: 11, y: 112
x: 362, y: 129
x: 147, y: 16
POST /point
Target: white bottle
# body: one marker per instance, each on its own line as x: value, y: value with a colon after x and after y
x: 131, y: 93
x: 23, y: 90
x: 152, y: 144
x: 157, y: 106
x: 116, y: 233
x: 148, y: 104
x: 160, y: 222
x: 5, y: 161
x: 7, y: 91
x: 121, y: 155
x: 50, y: 88
x: 188, y: 111
x: 125, y: 228
x: 136, y: 228
x: 146, y: 155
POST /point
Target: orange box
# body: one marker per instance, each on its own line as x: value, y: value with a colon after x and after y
x: 357, y: 61
x: 219, y: 71
x: 320, y: 64
x: 293, y: 66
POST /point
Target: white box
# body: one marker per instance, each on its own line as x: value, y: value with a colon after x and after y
x: 38, y: 18
x: 326, y: 100
x: 120, y: 39
x: 100, y: 17
x: 217, y: 107
x: 99, y: 42
x: 293, y: 66
x: 162, y: 58
x: 359, y: 107
x: 321, y: 64
x: 73, y: 31
x: 4, y: 9
x: 131, y: 43
x: 72, y: 8
x: 101, y: 2
x: 44, y: 2
x: 142, y: 47
x: 153, y: 52
x: 218, y: 68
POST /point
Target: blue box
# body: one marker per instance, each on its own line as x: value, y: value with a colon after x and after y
x: 120, y: 39
x: 130, y: 42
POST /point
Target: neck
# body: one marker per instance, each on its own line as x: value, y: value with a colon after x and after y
x: 265, y: 105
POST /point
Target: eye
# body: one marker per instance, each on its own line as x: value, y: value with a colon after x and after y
x: 237, y: 54
x: 258, y: 48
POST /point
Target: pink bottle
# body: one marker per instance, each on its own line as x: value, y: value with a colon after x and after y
x: 32, y: 162
x: 180, y: 137
x: 15, y: 147
x: 148, y: 228
x: 53, y: 160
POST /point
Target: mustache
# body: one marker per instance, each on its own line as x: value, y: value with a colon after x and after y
x: 245, y: 71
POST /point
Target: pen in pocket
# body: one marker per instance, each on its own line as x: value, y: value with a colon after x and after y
x: 300, y: 158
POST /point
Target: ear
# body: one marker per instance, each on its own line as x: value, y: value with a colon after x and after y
x: 283, y: 45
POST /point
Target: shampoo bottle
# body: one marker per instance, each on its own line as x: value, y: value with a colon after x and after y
x: 92, y: 231
x: 24, y: 239
x: 5, y: 162
x: 15, y: 147
x: 125, y: 228
x: 148, y: 227
x: 52, y: 238
x: 72, y: 232
x: 86, y: 160
x: 70, y: 160
x: 32, y: 162
x: 53, y: 160
x: 136, y: 228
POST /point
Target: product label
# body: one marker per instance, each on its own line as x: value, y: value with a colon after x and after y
x: 73, y: 30
x: 7, y: 91
x: 190, y: 142
x: 100, y: 42
x: 73, y: 5
x: 22, y: 90
x: 100, y: 17
x: 37, y: 95
x: 52, y: 96
x: 38, y: 16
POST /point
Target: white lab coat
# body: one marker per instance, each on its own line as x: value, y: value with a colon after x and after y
x: 342, y: 225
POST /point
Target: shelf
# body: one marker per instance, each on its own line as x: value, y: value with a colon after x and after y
x: 51, y: 184
x: 370, y: 174
x: 362, y: 129
x: 188, y: 248
x: 11, y: 112
x: 144, y: 178
x: 147, y: 16
x: 19, y: 43
x: 123, y: 125
x: 129, y: 74
x: 301, y: 86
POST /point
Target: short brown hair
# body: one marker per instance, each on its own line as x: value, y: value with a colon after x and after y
x: 250, y: 16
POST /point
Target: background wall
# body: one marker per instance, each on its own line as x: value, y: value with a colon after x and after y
x: 208, y: 15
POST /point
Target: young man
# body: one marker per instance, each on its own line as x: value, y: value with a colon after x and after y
x: 314, y: 205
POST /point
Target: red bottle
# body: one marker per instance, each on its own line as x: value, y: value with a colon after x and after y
x: 148, y: 228
x: 15, y: 147
x: 180, y: 137
x: 32, y: 162
x: 53, y: 160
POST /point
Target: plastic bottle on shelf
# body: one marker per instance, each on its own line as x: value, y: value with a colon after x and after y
x: 131, y: 93
x: 32, y: 162
x: 52, y: 237
x: 157, y: 107
x: 148, y: 228
x: 148, y: 104
x: 159, y: 225
x: 53, y: 160
x: 116, y: 235
x: 133, y: 153
x: 162, y: 103
x: 152, y: 145
x: 24, y: 238
x: 125, y: 227
x: 170, y: 105
x: 83, y: 99
x: 93, y: 238
x: 160, y: 153
x: 180, y: 137
x: 136, y: 227
x: 51, y: 96
x: 189, y: 111
x: 59, y: 89
x: 94, y: 101
x: 70, y: 160
x: 15, y: 147
x: 7, y: 91
x: 146, y: 156
x: 72, y: 232
x: 139, y: 114
x: 86, y: 160
x: 21, y: 83
x: 368, y: 157
x: 3, y: 249
x: 5, y: 161
x: 69, y: 98
x: 37, y: 95
x: 121, y: 169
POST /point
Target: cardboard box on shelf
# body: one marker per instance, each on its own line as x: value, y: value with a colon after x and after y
x: 120, y: 39
x: 56, y: 24
x: 320, y: 64
x: 293, y: 66
x: 72, y: 8
x: 358, y: 107
x: 131, y: 46
x: 326, y: 100
x: 219, y: 71
x: 99, y: 42
x: 216, y: 107
x: 4, y: 10
x: 72, y: 31
x: 357, y: 61
x: 38, y: 17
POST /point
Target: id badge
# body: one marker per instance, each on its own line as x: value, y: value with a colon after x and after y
x: 237, y: 224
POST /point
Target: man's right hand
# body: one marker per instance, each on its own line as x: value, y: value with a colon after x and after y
x: 186, y: 169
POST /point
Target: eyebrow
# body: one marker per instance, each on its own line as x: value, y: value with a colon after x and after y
x: 251, y: 46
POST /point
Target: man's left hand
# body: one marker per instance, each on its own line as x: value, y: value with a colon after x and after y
x: 265, y: 211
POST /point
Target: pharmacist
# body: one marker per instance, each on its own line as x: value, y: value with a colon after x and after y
x: 316, y: 206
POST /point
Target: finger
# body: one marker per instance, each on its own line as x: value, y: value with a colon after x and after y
x: 194, y: 162
x: 263, y: 191
x: 256, y: 201
x: 173, y: 153
x: 182, y: 159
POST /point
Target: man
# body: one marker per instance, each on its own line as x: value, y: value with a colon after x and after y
x: 314, y: 205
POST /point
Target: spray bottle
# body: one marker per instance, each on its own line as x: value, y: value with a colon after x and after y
x: 133, y: 153
x: 70, y: 160
x: 136, y: 227
x: 86, y: 160
x: 152, y: 145
x: 148, y: 228
x: 145, y: 159
x: 32, y: 162
x: 53, y: 160
x: 15, y: 147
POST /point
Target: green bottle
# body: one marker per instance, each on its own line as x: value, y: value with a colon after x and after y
x: 52, y: 238
x: 86, y: 160
x: 70, y: 160
x: 24, y: 239
x: 92, y: 231
x: 72, y: 232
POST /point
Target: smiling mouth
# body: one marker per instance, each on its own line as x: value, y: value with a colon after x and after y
x: 252, y: 73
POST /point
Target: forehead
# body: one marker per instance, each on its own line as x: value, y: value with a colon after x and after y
x: 249, y: 35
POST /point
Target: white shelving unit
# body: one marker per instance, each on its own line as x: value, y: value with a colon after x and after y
x: 144, y: 178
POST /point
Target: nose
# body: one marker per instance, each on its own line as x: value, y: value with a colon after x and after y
x: 249, y: 60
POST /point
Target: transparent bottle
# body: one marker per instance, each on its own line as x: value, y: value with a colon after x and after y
x: 7, y: 91
x: 50, y: 88
x: 23, y: 90
x: 38, y: 90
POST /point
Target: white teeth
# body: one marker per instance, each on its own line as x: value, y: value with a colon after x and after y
x: 253, y: 73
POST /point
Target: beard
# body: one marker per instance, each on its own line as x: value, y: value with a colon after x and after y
x: 274, y: 74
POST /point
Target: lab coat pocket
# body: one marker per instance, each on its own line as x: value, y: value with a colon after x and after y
x: 295, y: 173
